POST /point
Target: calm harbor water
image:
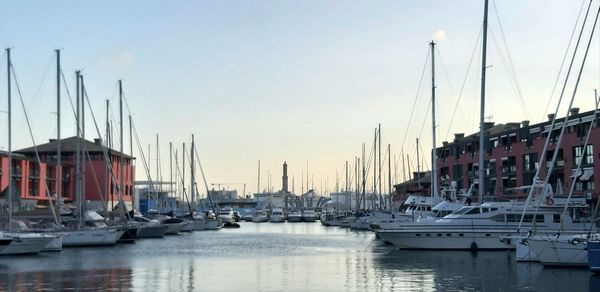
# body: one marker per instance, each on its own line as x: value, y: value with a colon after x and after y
x: 280, y: 257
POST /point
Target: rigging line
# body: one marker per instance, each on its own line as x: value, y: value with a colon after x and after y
x: 120, y: 192
x: 509, y: 58
x: 511, y: 77
x: 425, y: 119
x: 37, y: 154
x: 195, y: 157
x: 462, y: 87
x: 143, y: 157
x: 67, y: 90
x: 560, y: 98
x: 424, y: 160
x: 581, y: 161
x: 178, y: 174
x: 37, y: 92
x: 416, y: 99
x: 564, y: 59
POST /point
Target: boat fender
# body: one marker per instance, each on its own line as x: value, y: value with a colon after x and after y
x: 473, y: 246
x: 550, y: 201
x: 574, y: 241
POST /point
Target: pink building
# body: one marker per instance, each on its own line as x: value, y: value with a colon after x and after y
x: 100, y: 185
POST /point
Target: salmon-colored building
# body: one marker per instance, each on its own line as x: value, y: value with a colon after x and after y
x: 100, y: 187
x: 513, y: 152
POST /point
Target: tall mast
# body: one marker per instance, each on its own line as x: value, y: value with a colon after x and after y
x: 121, y: 159
x: 78, y: 155
x: 107, y: 143
x: 379, y: 167
x: 157, y: 165
x: 192, y: 173
x: 171, y: 167
x: 58, y: 150
x: 364, y: 177
x: 375, y: 163
x: 10, y: 166
x: 83, y: 150
x: 183, y: 170
x: 258, y: 183
x: 433, y: 150
x: 482, y: 102
x: 347, y: 181
x: 82, y: 89
x: 418, y: 167
x: 390, y: 174
x: 132, y: 188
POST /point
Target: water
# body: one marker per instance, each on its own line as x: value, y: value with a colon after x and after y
x: 280, y: 257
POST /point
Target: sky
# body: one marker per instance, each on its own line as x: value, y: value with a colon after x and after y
x: 305, y: 82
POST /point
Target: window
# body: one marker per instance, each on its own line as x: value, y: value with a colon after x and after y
x: 587, y: 155
x: 530, y: 162
x: 473, y: 211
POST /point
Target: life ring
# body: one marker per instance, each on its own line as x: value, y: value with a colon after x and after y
x: 550, y: 201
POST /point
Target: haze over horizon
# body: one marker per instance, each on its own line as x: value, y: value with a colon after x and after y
x: 287, y: 81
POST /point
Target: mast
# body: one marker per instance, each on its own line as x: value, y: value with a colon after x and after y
x: 171, y: 167
x: 121, y: 159
x: 183, y: 170
x: 132, y: 166
x: 379, y: 167
x: 375, y: 164
x: 106, y: 186
x: 83, y: 150
x: 10, y: 166
x: 347, y: 181
x: 390, y: 174
x: 433, y: 150
x: 364, y: 178
x: 418, y: 167
x: 258, y: 183
x: 482, y: 102
x: 192, y: 174
x: 158, y: 182
x: 58, y: 149
x: 78, y: 155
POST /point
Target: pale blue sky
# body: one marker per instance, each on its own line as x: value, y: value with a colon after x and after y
x: 283, y: 80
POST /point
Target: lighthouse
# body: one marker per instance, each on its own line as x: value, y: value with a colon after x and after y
x: 284, y: 179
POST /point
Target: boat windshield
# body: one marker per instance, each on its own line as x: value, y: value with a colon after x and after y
x: 463, y: 210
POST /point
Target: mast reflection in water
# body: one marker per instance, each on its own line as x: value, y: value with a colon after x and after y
x: 280, y: 257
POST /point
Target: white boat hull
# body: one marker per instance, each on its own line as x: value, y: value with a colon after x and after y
x: 260, y: 219
x: 360, y: 224
x: 54, y: 245
x: 195, y: 225
x: 174, y: 228
x: 446, y: 239
x: 276, y: 219
x: 26, y: 243
x: 91, y: 237
x: 560, y: 252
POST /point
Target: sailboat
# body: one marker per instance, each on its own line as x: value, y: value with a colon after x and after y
x: 89, y: 230
x: 12, y: 242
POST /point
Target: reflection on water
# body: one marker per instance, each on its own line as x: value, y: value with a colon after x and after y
x: 280, y: 257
